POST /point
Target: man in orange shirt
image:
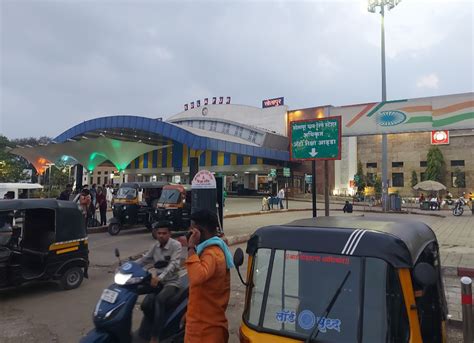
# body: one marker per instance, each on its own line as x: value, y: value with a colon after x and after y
x: 208, y: 264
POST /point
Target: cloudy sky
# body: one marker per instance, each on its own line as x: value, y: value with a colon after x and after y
x: 63, y: 62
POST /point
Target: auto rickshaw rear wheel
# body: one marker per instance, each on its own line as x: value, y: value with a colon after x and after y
x: 114, y: 229
x: 72, y: 278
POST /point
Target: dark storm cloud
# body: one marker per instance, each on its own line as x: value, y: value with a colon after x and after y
x: 63, y: 62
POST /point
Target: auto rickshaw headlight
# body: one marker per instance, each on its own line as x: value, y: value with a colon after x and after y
x: 124, y: 207
x: 168, y: 213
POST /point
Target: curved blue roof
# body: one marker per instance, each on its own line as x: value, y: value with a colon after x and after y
x: 170, y: 131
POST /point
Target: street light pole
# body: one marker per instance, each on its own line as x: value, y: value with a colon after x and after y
x: 384, y: 136
x: 373, y: 4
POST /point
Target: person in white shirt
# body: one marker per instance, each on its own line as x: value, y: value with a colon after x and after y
x: 281, y: 196
x: 109, y: 196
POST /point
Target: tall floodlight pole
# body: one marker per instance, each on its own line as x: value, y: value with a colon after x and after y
x: 373, y: 5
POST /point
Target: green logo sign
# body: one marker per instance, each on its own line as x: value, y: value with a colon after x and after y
x: 273, y: 173
x: 286, y: 172
x: 316, y: 139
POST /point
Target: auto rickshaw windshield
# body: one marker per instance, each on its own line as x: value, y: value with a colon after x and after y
x: 169, y: 196
x: 126, y: 193
x: 298, y: 287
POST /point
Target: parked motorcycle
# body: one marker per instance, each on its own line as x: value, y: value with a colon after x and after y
x: 113, y: 313
x: 458, y: 209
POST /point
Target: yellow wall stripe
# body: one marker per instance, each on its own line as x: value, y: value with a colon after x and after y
x: 140, y: 161
x: 185, y: 156
x: 208, y: 158
x: 63, y: 251
x: 220, y: 158
x: 169, y: 156
x: 259, y: 160
x: 246, y: 160
x: 233, y: 159
x: 160, y: 158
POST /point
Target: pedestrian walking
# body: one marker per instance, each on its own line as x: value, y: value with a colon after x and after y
x: 208, y: 265
x: 66, y: 194
x: 281, y: 196
x: 109, y: 196
x: 102, y: 206
x: 85, y: 203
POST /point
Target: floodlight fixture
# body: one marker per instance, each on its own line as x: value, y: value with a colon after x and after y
x: 373, y: 4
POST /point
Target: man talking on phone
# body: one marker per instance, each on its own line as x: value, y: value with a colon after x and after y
x: 208, y: 264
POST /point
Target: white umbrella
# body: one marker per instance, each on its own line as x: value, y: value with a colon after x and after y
x: 430, y: 185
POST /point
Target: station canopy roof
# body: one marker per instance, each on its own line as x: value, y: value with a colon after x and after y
x: 121, y: 139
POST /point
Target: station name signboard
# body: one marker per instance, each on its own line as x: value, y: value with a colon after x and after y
x: 316, y: 139
x: 273, y: 102
x: 204, y: 179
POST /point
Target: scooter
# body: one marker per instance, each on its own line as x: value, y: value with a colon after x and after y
x: 458, y: 209
x: 113, y: 313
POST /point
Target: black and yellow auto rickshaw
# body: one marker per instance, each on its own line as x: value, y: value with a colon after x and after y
x: 133, y: 203
x: 353, y: 279
x: 174, y: 207
x: 42, y: 240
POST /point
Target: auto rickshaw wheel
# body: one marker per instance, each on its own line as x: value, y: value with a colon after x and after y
x: 114, y: 229
x: 72, y: 278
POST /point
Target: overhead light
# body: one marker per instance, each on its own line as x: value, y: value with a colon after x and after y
x: 139, y: 141
x: 246, y: 172
x: 163, y: 174
x: 85, y: 137
x: 101, y: 134
x: 71, y: 140
x: 139, y: 174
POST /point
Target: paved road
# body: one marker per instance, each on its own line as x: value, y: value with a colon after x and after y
x: 43, y: 313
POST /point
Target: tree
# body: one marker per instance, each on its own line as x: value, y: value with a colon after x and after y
x: 459, y: 178
x: 414, y: 180
x: 11, y: 166
x: 359, y: 179
x: 436, y: 167
x: 378, y: 187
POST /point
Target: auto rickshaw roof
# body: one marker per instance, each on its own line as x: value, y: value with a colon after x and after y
x: 157, y: 184
x: 180, y: 187
x: 69, y: 221
x: 398, y: 241
x: 25, y: 204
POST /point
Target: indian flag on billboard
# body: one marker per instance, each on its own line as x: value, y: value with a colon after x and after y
x: 442, y: 112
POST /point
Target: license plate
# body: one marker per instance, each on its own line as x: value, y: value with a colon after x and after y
x: 109, y: 296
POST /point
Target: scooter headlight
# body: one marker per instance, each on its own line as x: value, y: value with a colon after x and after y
x: 168, y: 213
x: 124, y: 207
x: 127, y: 279
x: 121, y: 279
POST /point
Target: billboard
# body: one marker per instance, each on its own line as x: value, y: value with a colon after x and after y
x: 316, y: 139
x: 447, y: 112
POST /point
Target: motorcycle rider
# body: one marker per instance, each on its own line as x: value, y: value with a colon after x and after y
x: 164, y: 256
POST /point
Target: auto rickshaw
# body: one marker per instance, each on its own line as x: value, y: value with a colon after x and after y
x: 42, y: 240
x: 335, y: 279
x: 174, y: 207
x: 133, y: 203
